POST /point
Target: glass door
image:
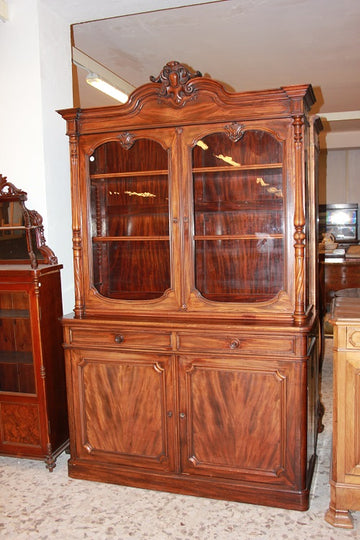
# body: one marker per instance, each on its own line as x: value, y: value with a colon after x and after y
x: 130, y: 220
x: 16, y: 356
x: 238, y: 217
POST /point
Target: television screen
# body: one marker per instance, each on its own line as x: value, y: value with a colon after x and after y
x: 345, y: 216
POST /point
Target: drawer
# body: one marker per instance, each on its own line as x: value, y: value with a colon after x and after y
x: 353, y: 337
x: 120, y: 337
x: 263, y: 345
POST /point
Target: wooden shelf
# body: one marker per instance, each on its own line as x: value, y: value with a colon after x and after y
x: 109, y: 176
x: 230, y: 168
x: 98, y: 239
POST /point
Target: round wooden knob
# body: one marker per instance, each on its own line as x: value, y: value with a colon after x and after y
x: 234, y: 344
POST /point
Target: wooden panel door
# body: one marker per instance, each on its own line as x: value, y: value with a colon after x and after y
x: 123, y: 408
x: 349, y: 374
x: 229, y: 429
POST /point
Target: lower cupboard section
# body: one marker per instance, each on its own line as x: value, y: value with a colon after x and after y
x: 232, y: 427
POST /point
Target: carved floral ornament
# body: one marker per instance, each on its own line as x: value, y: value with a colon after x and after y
x: 126, y: 140
x: 7, y: 189
x: 175, y: 82
x: 234, y: 131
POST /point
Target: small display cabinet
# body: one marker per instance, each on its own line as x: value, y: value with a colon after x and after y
x: 33, y: 411
x: 192, y: 355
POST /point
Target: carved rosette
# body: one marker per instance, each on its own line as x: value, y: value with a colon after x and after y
x: 234, y: 131
x: 175, y: 80
x: 126, y: 140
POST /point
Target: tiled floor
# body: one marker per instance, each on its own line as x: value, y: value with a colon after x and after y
x: 36, y: 504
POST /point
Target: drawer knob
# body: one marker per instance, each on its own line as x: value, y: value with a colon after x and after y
x: 119, y: 338
x: 234, y: 344
x: 182, y: 415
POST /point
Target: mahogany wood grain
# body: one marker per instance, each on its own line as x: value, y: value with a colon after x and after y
x: 192, y: 359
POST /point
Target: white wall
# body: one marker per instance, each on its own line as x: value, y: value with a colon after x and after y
x: 36, y: 79
x: 340, y: 176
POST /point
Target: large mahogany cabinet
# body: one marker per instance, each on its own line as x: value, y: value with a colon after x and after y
x: 33, y: 407
x: 192, y: 354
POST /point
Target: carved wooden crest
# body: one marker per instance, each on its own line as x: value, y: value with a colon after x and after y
x: 16, y: 216
x: 175, y: 82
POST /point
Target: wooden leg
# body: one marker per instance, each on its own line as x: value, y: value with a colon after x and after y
x: 339, y: 518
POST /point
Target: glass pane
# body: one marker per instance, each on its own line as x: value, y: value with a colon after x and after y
x: 130, y: 220
x: 239, y: 218
x: 119, y: 269
x: 16, y: 359
x: 238, y: 270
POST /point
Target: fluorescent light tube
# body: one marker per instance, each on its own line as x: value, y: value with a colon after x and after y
x: 94, y: 80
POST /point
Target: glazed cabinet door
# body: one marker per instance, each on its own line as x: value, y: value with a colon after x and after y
x: 17, y: 372
x: 227, y: 427
x: 133, y: 252
x: 238, y: 216
x: 21, y: 417
x: 122, y: 405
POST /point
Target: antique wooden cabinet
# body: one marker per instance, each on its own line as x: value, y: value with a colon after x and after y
x: 192, y: 354
x: 33, y: 407
x: 345, y: 473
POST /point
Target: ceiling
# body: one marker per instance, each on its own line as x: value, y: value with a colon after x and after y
x: 245, y: 44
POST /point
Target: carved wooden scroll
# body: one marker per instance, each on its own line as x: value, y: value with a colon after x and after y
x: 176, y: 83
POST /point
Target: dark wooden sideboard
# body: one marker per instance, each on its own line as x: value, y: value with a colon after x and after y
x: 336, y: 275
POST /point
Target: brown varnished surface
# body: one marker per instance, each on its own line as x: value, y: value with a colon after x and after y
x: 345, y: 472
x: 33, y: 414
x: 227, y: 417
x: 192, y: 357
x: 117, y: 421
x: 20, y: 424
x: 124, y: 409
